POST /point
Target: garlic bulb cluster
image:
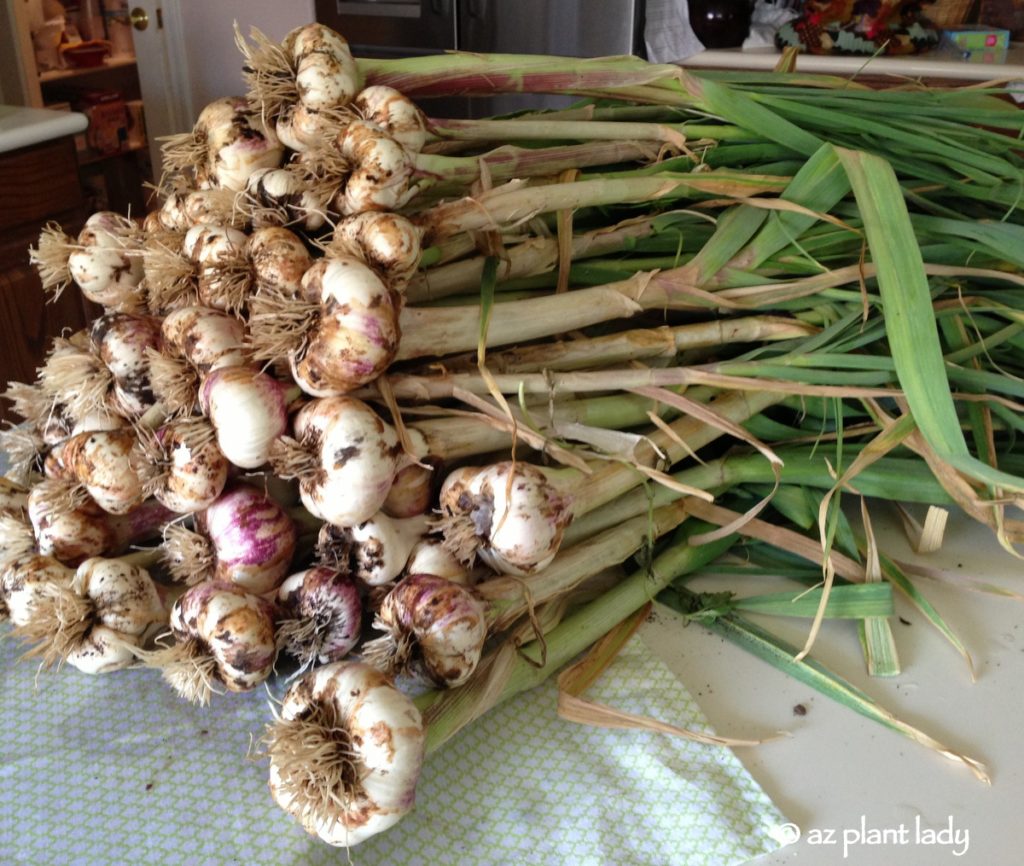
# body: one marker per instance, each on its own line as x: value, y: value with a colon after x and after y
x: 345, y: 753
x: 509, y: 514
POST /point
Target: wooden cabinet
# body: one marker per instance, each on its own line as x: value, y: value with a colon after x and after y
x: 37, y: 184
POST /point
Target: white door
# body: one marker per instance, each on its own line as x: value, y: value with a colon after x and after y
x: 159, y: 39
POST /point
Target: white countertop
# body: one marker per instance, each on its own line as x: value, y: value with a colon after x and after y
x: 934, y: 64
x: 21, y: 127
x: 841, y: 776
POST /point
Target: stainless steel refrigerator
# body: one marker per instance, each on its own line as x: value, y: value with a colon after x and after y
x: 403, y: 28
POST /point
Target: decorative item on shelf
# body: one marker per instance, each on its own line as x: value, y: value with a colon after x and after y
x: 720, y: 23
x: 119, y: 27
x: 863, y: 27
x: 977, y: 43
x: 86, y: 55
x: 108, y: 119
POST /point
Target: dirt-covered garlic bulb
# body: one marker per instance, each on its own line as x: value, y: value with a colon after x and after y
x: 433, y: 628
x: 101, y: 461
x: 105, y: 261
x: 122, y: 343
x: 94, y: 621
x: 395, y: 113
x: 244, y: 538
x: 374, y: 551
x: 26, y: 579
x: 196, y: 340
x: 13, y: 498
x: 181, y: 466
x: 509, y: 514
x: 345, y: 753
x: 344, y: 456
x: 281, y: 197
x: 228, y: 143
x: 321, y: 616
x: 224, y: 635
x: 430, y: 556
x: 340, y: 336
x: 387, y: 242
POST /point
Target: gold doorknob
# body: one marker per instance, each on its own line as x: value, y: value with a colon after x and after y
x: 139, y: 18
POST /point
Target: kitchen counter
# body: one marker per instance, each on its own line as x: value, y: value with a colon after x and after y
x: 23, y: 127
x: 931, y: 65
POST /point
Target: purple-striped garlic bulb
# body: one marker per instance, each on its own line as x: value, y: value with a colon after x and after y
x: 105, y: 261
x: 433, y: 629
x: 374, y: 551
x: 509, y: 514
x: 224, y: 635
x: 249, y: 411
x: 340, y: 336
x: 344, y: 456
x: 181, y: 466
x: 320, y: 616
x: 244, y: 538
x: 94, y: 621
x: 345, y: 753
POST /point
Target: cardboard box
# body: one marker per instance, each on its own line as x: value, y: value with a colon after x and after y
x: 977, y: 43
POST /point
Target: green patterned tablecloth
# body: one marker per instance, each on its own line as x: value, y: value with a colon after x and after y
x: 115, y: 770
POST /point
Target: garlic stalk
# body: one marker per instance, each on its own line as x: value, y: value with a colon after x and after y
x: 321, y: 616
x: 434, y: 629
x: 509, y: 514
x: 344, y: 456
x: 93, y: 621
x: 244, y: 538
x: 374, y: 551
x: 223, y: 635
x: 345, y: 753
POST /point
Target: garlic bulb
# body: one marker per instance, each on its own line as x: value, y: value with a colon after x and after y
x: 430, y: 556
x: 69, y: 535
x: 26, y: 580
x: 278, y: 196
x: 224, y: 634
x: 374, y: 551
x: 326, y: 75
x: 228, y: 143
x: 381, y: 170
x: 93, y: 622
x: 122, y: 343
x: 433, y: 628
x: 395, y: 113
x: 181, y: 465
x: 13, y: 498
x: 357, y: 335
x: 214, y: 207
x: 248, y: 409
x: 321, y: 616
x: 223, y: 272
x: 102, y: 462
x: 104, y: 261
x: 345, y: 458
x: 300, y: 127
x: 508, y: 514
x: 345, y: 753
x: 279, y: 259
x: 387, y: 242
x: 244, y: 538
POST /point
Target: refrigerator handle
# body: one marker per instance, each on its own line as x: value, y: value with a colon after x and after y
x: 477, y: 8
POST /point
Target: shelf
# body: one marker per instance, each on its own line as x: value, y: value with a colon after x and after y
x: 63, y: 74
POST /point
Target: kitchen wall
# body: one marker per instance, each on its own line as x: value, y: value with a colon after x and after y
x: 214, y: 64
